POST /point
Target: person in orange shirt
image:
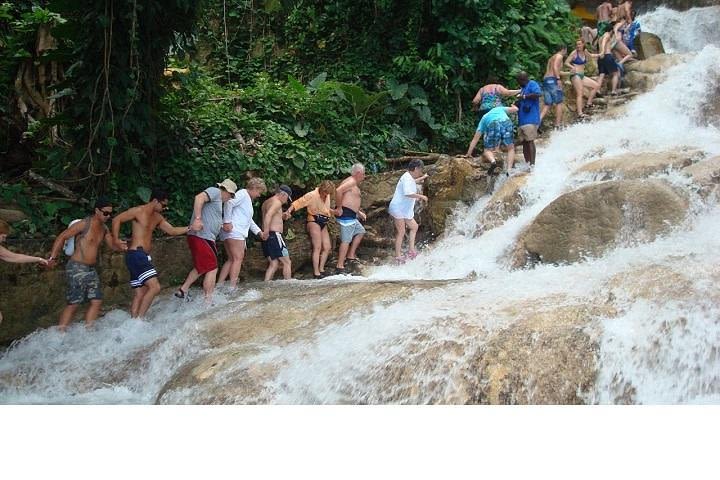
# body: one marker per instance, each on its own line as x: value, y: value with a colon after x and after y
x: 317, y: 203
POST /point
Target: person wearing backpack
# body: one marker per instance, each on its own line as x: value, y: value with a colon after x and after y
x: 83, y: 281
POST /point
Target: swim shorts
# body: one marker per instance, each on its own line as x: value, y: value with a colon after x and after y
x: 204, y: 254
x: 527, y: 132
x: 602, y: 27
x: 140, y: 266
x: 499, y: 132
x: 350, y: 229
x: 607, y: 65
x: 274, y: 247
x: 83, y: 283
x: 552, y: 91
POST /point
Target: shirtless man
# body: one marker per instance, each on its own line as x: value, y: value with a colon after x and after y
x: 83, y: 281
x: 143, y: 276
x: 604, y: 11
x: 606, y: 62
x: 625, y: 11
x: 347, y: 200
x: 552, y: 87
x: 274, y: 247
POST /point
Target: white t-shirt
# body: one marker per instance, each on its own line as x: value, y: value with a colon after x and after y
x: 402, y: 206
x: 239, y: 212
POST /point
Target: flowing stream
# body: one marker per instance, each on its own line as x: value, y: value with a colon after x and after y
x: 414, y: 333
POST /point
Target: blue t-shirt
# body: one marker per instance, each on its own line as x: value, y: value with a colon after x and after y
x: 495, y: 114
x: 529, y: 112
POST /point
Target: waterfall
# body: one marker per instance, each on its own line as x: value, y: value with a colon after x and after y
x: 422, y: 346
x: 683, y: 32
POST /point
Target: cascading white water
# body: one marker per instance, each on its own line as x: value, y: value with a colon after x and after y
x: 686, y: 32
x: 664, y: 351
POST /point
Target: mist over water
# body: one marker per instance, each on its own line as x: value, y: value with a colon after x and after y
x: 419, y: 349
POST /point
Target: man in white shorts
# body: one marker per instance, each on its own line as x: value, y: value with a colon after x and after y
x: 237, y: 221
x: 402, y: 208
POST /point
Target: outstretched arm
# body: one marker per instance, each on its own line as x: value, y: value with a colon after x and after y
x: 507, y: 93
x: 12, y: 257
x: 166, y: 227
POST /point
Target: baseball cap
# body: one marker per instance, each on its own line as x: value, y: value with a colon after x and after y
x: 228, y: 185
x: 287, y: 190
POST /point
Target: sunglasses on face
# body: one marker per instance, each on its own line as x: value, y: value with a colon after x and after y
x: 106, y: 213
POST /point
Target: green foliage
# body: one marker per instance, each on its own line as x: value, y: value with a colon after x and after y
x: 292, y: 90
x: 286, y: 132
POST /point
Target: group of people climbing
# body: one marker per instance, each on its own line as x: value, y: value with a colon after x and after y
x: 614, y: 42
x: 221, y: 212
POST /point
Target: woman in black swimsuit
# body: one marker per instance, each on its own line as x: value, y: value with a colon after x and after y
x: 317, y: 203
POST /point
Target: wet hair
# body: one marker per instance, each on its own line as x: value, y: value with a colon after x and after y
x: 633, y: 14
x: 326, y: 186
x: 258, y: 183
x: 158, y: 194
x: 102, y: 202
x: 491, y: 79
x: 559, y: 48
x: 4, y: 227
x: 415, y: 163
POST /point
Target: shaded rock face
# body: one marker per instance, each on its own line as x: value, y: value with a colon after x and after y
x: 452, y: 180
x: 648, y: 45
x: 506, y: 202
x: 639, y: 165
x: 592, y: 220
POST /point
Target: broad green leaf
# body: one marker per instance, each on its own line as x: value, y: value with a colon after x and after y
x: 144, y: 193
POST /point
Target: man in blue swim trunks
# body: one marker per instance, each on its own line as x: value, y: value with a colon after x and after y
x: 552, y: 87
x: 496, y: 129
x: 143, y: 275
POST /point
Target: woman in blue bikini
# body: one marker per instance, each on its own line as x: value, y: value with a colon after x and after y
x: 576, y: 62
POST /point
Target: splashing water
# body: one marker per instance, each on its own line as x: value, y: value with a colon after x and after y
x: 683, y: 31
x: 655, y: 345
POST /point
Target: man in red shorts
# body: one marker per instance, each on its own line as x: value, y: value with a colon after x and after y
x: 205, y: 226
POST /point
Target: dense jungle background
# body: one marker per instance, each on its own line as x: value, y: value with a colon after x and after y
x: 114, y: 97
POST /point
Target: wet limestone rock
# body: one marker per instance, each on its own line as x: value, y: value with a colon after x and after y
x: 549, y: 356
x: 506, y: 202
x: 705, y: 173
x: 639, y: 165
x: 648, y: 45
x: 644, y: 75
x: 591, y: 220
x: 452, y: 180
